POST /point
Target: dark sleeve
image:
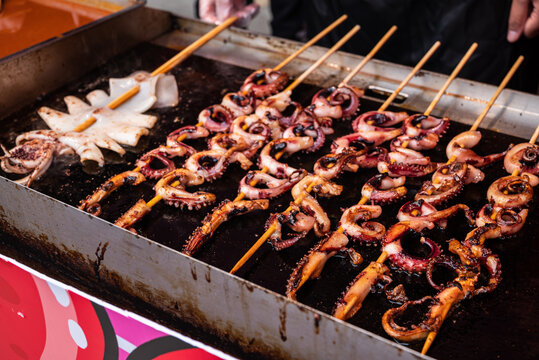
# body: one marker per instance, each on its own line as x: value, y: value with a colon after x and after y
x: 288, y: 21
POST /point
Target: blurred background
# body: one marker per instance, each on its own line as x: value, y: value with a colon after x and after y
x: 260, y: 24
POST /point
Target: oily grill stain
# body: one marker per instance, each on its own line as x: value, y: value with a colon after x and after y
x: 493, y: 325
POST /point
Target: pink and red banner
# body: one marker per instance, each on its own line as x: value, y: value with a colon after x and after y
x: 40, y: 319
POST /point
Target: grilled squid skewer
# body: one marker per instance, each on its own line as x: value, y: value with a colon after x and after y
x: 264, y: 82
x: 177, y: 195
x: 510, y: 192
x: 461, y: 288
x: 33, y: 157
x: 393, y: 246
x: 460, y: 149
x: 352, y: 299
x: 312, y: 264
x: 522, y: 158
x: 222, y: 213
x: 378, y: 121
x: 336, y: 102
x: 91, y: 203
x: 421, y: 210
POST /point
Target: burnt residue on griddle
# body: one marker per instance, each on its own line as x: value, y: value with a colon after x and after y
x: 500, y: 324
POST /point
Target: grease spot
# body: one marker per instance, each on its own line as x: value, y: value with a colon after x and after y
x: 282, y: 324
x: 317, y: 319
x: 100, y: 255
x: 193, y: 272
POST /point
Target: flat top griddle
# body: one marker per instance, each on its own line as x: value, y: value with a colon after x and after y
x: 500, y: 324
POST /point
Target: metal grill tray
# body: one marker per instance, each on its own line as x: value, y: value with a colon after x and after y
x: 249, y: 314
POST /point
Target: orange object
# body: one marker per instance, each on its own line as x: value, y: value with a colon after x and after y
x: 24, y: 23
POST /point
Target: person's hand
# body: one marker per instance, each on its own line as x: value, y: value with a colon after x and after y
x: 523, y: 19
x: 217, y: 11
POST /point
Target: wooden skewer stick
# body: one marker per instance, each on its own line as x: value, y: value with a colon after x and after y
x: 290, y: 87
x: 448, y: 82
x: 535, y: 136
x: 185, y: 53
x: 450, y: 79
x: 502, y: 86
x: 313, y: 67
x: 181, y: 56
x: 271, y: 229
x: 369, y: 56
x: 414, y: 71
x: 311, y: 42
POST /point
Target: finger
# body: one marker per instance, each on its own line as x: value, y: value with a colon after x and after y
x: 246, y: 14
x: 206, y: 10
x: 224, y: 9
x: 517, y: 19
x: 239, y: 4
x: 531, y: 28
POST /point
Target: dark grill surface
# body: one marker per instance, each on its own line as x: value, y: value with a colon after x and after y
x: 496, y: 325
